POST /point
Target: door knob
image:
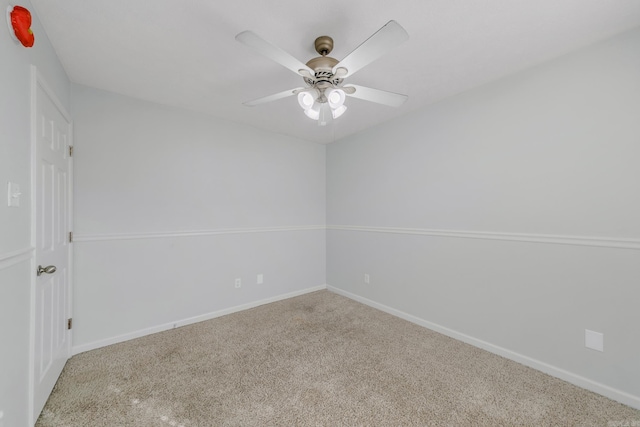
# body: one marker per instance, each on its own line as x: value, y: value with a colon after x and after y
x: 50, y: 269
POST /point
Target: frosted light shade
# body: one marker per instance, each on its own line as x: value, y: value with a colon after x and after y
x: 339, y: 111
x: 336, y: 98
x: 305, y: 99
x: 312, y: 114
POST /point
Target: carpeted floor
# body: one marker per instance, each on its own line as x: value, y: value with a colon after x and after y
x: 315, y: 360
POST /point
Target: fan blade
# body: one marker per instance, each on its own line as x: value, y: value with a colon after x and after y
x: 385, y: 39
x: 302, y: 89
x: 274, y: 97
x: 272, y: 52
x: 376, y: 95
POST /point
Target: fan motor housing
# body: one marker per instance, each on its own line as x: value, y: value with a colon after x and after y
x: 323, y: 69
x: 322, y: 66
x: 322, y: 63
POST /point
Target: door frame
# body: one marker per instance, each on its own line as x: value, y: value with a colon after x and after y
x: 38, y: 81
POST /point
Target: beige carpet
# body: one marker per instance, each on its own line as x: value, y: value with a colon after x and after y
x: 316, y: 360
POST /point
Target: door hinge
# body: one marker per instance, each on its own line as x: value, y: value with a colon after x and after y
x: 70, y: 236
x: 71, y: 151
x: 69, y: 323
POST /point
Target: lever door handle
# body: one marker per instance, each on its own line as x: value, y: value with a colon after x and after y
x: 50, y: 269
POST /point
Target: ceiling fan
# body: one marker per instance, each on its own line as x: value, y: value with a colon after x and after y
x: 323, y: 96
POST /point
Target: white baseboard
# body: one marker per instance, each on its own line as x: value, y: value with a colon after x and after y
x: 175, y: 324
x: 596, y: 387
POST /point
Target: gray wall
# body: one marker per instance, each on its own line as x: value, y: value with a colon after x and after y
x: 16, y: 246
x: 172, y: 206
x: 507, y: 216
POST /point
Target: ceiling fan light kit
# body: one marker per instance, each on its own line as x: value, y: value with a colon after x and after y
x: 324, y: 96
x: 313, y: 99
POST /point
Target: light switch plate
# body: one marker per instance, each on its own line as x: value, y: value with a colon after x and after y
x: 594, y: 340
x: 13, y: 195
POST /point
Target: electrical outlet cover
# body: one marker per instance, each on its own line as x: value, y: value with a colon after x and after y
x: 594, y: 340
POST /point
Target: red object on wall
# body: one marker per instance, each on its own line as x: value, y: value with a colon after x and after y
x: 21, y: 23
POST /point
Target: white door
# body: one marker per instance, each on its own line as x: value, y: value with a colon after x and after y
x: 52, y: 163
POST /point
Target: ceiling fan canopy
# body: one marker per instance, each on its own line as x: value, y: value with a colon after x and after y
x: 323, y: 96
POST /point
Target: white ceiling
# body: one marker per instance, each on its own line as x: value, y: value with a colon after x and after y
x: 183, y: 53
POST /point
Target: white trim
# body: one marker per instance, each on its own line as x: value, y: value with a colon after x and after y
x: 178, y: 323
x: 606, y: 242
x: 39, y: 80
x: 580, y: 381
x: 192, y: 233
x: 12, y: 258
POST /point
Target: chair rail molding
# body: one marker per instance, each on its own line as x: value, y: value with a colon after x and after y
x: 191, y: 233
x: 9, y: 259
x: 606, y: 242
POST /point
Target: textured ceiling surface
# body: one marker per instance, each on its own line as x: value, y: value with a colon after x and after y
x: 184, y: 53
